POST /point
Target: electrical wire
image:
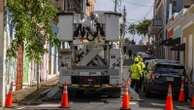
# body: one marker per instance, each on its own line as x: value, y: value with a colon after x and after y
x: 144, y: 17
x: 148, y: 13
x: 138, y: 4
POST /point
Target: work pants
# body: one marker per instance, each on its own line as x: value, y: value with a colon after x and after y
x: 135, y: 84
x: 141, y: 83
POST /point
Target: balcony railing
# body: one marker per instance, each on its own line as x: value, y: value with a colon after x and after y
x: 156, y: 25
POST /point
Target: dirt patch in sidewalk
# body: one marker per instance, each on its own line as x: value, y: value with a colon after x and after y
x: 31, y: 94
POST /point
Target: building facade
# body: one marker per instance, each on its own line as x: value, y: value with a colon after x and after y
x: 174, y: 32
x: 163, y: 13
x: 31, y: 71
x: 77, y: 6
x: 2, y: 54
x: 179, y: 43
x: 187, y: 27
x: 90, y: 7
x: 157, y: 30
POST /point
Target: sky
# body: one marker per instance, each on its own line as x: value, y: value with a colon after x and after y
x: 137, y: 10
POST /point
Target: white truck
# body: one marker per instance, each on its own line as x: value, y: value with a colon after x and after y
x: 90, y: 56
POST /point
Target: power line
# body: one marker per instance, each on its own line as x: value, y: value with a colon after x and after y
x: 133, y: 19
x: 145, y: 16
x: 149, y: 11
x: 116, y: 4
x: 138, y: 4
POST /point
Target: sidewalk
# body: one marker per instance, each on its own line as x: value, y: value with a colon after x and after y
x: 31, y: 93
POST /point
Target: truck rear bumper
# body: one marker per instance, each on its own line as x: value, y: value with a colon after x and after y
x: 102, y: 91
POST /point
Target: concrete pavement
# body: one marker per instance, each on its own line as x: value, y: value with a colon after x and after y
x: 105, y: 104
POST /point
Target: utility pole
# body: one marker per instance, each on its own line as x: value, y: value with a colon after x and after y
x: 122, y: 41
x: 116, y: 4
x: 2, y: 55
x: 124, y: 20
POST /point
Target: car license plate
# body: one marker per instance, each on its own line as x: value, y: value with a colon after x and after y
x: 170, y: 79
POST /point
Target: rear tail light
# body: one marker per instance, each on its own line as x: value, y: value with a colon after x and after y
x: 183, y: 79
x: 152, y: 75
x: 186, y: 80
x: 155, y: 75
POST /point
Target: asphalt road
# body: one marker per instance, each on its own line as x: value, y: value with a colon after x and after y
x: 105, y: 104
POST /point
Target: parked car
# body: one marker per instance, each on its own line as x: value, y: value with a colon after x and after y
x: 163, y: 72
x: 145, y: 56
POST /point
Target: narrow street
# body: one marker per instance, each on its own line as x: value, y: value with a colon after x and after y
x: 79, y: 54
x: 105, y: 104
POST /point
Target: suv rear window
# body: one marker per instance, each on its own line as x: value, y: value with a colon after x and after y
x: 169, y: 69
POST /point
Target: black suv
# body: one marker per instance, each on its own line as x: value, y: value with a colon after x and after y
x: 156, y: 82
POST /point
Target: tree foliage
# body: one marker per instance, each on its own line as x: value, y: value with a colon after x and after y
x: 32, y: 22
x: 140, y: 28
x: 132, y: 29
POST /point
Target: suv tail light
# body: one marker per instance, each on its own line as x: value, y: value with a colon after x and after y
x: 155, y: 75
x: 186, y: 81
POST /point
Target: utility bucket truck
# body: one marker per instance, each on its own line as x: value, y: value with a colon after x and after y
x: 90, y: 55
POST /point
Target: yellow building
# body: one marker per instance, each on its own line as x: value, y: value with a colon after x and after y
x: 90, y: 7
x: 184, y: 22
x: 188, y: 38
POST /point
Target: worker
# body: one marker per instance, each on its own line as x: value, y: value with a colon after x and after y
x: 141, y: 62
x: 135, y: 75
x: 142, y: 65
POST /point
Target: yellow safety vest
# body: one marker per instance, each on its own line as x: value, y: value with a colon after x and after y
x: 142, y: 65
x: 135, y: 71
